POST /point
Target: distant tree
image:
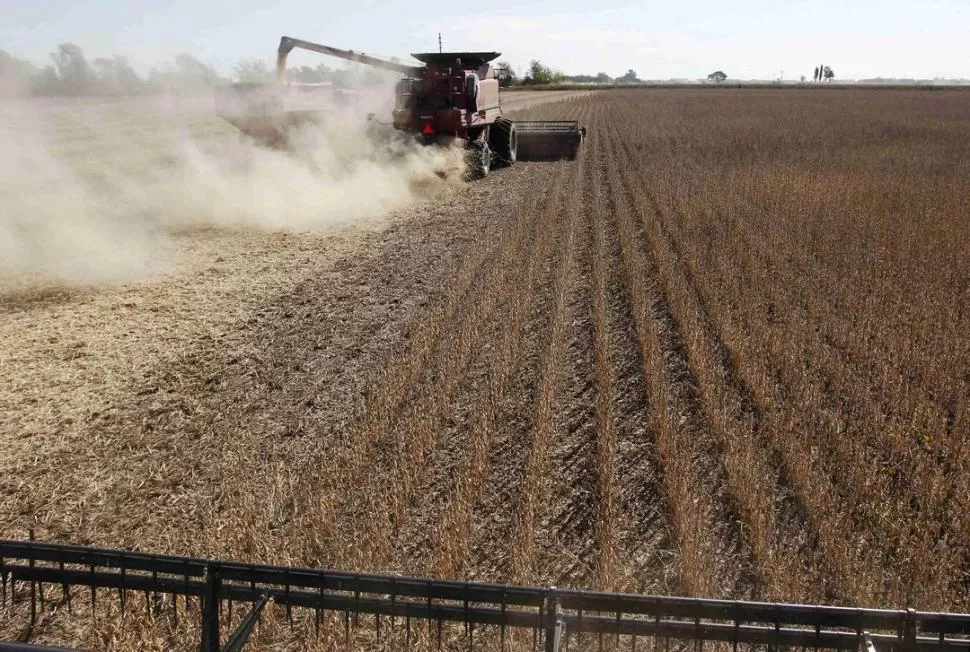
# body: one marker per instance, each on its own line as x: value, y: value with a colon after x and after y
x: 717, y: 76
x: 370, y: 76
x: 70, y: 73
x: 506, y: 76
x: 73, y: 71
x: 828, y: 73
x: 308, y: 75
x: 16, y: 75
x: 189, y: 71
x: 303, y: 75
x: 598, y: 78
x: 186, y: 73
x: 815, y: 76
x: 343, y: 78
x: 11, y: 66
x: 802, y: 79
x: 629, y: 77
x: 47, y: 80
x: 158, y: 78
x: 116, y: 76
x: 820, y: 69
x: 252, y: 71
x: 538, y: 73
x: 541, y: 74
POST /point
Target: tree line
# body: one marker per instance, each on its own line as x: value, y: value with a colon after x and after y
x: 71, y: 72
x: 822, y: 73
x: 538, y: 73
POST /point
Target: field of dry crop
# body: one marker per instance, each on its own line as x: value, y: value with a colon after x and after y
x: 724, y: 353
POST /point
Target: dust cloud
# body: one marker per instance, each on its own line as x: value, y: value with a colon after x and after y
x: 95, y: 191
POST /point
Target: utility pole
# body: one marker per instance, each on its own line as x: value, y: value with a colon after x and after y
x: 439, y: 42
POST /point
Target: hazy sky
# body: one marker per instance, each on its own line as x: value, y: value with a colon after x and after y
x: 659, y: 40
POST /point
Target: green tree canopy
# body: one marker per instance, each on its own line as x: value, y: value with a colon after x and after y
x: 189, y: 71
x: 505, y: 75
x: 72, y: 67
x: 629, y: 77
x: 115, y: 75
x: 252, y: 71
x: 540, y: 73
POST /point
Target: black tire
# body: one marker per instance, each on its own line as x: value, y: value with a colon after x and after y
x: 479, y: 158
x: 504, y: 142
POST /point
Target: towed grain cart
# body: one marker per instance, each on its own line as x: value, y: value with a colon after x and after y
x: 453, y: 95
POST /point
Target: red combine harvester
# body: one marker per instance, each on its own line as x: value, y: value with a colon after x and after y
x: 453, y: 95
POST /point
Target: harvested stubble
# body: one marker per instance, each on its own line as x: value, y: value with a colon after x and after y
x: 723, y: 354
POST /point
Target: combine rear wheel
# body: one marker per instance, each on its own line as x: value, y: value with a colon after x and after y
x: 479, y: 159
x: 504, y: 142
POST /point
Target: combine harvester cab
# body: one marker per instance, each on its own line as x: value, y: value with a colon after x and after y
x: 457, y: 94
x: 454, y: 95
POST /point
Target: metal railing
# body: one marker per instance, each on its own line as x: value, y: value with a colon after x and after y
x: 556, y: 618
